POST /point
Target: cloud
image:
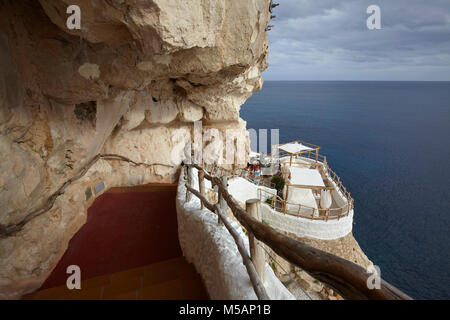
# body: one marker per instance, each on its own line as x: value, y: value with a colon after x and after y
x: 328, y: 39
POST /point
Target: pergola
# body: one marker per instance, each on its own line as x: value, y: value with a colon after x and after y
x: 299, y: 147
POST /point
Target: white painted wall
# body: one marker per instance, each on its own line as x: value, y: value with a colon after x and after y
x: 302, y: 227
x: 214, y: 253
x: 243, y: 190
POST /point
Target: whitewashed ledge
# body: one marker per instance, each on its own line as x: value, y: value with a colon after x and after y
x: 302, y: 227
x: 333, y: 229
x: 214, y: 253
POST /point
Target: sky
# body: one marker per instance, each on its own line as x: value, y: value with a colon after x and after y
x: 329, y: 40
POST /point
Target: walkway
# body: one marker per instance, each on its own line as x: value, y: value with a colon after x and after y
x: 127, y: 249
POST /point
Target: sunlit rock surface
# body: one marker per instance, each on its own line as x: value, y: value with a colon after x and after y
x: 131, y: 82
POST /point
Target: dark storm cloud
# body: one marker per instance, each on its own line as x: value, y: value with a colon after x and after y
x: 328, y: 39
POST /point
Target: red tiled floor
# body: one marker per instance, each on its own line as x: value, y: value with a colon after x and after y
x: 169, y: 290
x: 128, y: 249
x: 167, y: 280
x: 125, y: 228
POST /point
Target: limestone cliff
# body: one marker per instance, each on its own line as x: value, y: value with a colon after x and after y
x: 130, y: 82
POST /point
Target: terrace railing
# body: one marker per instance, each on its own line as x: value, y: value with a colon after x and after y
x: 290, y: 208
x: 303, y: 211
x: 337, y: 181
x: 315, y: 213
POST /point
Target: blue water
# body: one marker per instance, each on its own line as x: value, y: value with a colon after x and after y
x: 389, y: 143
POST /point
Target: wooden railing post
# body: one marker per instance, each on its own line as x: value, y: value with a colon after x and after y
x: 252, y: 206
x: 274, y: 202
x: 222, y: 202
x: 201, y: 185
x: 188, y: 182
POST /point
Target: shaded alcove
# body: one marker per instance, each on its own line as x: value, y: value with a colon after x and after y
x: 127, y: 229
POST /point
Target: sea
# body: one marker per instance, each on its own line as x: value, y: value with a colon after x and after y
x: 390, y: 144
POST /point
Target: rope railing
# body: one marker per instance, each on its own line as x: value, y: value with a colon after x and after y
x: 347, y: 278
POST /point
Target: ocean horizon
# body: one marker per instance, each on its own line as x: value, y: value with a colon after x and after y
x: 388, y: 141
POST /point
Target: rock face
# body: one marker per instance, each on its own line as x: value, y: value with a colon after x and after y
x: 131, y: 82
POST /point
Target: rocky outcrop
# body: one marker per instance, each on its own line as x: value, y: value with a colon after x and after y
x: 131, y: 82
x: 345, y: 247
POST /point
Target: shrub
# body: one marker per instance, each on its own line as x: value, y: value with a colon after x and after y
x: 279, y: 182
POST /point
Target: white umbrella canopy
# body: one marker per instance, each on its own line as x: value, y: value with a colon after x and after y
x: 294, y: 147
x: 306, y: 177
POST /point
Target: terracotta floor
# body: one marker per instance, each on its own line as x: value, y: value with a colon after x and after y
x: 172, y: 279
x: 128, y: 249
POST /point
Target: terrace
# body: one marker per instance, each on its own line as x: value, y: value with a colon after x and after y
x: 312, y: 190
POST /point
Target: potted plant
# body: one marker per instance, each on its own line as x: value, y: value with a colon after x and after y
x: 278, y: 182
